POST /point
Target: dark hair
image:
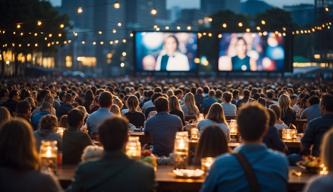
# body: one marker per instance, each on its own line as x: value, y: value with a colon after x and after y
x: 17, y: 145
x: 23, y: 107
x: 48, y: 122
x: 252, y: 121
x: 206, y: 89
x: 212, y: 143
x: 327, y: 102
x: 161, y: 104
x: 41, y: 95
x: 74, y: 118
x: 175, y: 38
x: 211, y: 93
x: 277, y: 110
x: 314, y: 100
x: 242, y: 39
x: 199, y: 91
x: 155, y: 96
x: 132, y: 103
x: 272, y: 117
x: 113, y: 133
x: 246, y: 93
x: 13, y: 93
x: 227, y: 96
x: 105, y: 99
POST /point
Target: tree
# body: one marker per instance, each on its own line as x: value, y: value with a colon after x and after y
x: 29, y: 26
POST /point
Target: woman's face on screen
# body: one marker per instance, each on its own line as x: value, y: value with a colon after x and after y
x: 241, y: 47
x: 170, y: 45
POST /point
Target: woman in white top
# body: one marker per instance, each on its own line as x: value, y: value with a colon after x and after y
x: 279, y: 124
x: 215, y: 116
x: 170, y: 58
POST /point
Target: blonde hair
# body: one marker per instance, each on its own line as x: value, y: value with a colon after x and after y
x: 4, y: 114
x: 132, y: 103
x: 174, y: 103
x: 190, y: 103
x: 284, y: 103
x: 216, y: 113
x: 327, y: 150
x: 115, y: 109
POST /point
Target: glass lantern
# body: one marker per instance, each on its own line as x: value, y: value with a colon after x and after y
x: 49, y: 156
x: 133, y: 148
x: 206, y: 163
x: 289, y: 134
x: 181, y: 150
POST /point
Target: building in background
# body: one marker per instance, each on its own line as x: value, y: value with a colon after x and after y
x: 209, y: 7
x: 303, y: 14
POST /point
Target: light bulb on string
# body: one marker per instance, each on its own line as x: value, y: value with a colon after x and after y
x: 39, y: 23
x: 79, y: 10
x: 116, y: 5
x: 153, y: 11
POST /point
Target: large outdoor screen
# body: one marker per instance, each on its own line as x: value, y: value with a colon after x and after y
x: 251, y: 52
x: 165, y: 51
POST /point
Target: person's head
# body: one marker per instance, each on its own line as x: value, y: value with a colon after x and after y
x: 189, y: 99
x: 31, y: 101
x: 118, y: 102
x: 212, y: 143
x: 46, y: 107
x: 174, y: 103
x: 262, y: 101
x: 227, y: 96
x: 4, y: 115
x: 326, y: 150
x: 314, y: 100
x: 75, y: 119
x: 272, y: 118
x: 178, y: 93
x: 17, y: 145
x: 326, y: 104
x: 252, y: 122
x: 115, y: 109
x: 14, y: 95
x: 171, y: 44
x: 284, y: 102
x: 41, y: 95
x: 105, y: 99
x: 276, y: 110
x: 132, y: 103
x: 216, y: 113
x: 211, y: 93
x: 235, y: 94
x: 23, y: 109
x: 161, y: 104
x: 246, y: 94
x: 63, y: 122
x: 113, y: 133
x: 294, y: 99
x: 270, y: 94
x: 241, y: 46
x: 48, y: 123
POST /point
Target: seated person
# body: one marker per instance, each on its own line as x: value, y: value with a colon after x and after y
x: 230, y: 109
x: 318, y: 127
x: 279, y: 124
x: 48, y: 131
x: 74, y: 140
x: 325, y: 182
x: 272, y: 138
x: 114, y: 171
x: 161, y: 129
x: 212, y: 143
x: 133, y: 115
x: 19, y: 162
x: 268, y: 169
x: 175, y: 108
x: 313, y: 109
x: 216, y: 117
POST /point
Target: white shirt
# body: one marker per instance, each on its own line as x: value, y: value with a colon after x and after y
x: 177, y: 62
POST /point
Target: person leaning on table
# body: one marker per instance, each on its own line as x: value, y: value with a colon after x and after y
x: 114, y: 171
x: 325, y: 182
x: 252, y: 166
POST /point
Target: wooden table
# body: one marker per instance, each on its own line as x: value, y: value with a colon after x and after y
x: 168, y: 182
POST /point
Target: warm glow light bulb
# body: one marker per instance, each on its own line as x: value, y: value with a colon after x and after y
x: 153, y: 11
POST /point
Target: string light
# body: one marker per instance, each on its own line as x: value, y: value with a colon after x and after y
x: 119, y: 24
x: 111, y: 42
x: 224, y: 25
x: 327, y: 9
x: 18, y: 26
x: 124, y: 54
x: 219, y: 36
x: 39, y: 23
x: 61, y: 26
x: 116, y: 5
x: 240, y: 24
x: 131, y: 34
x: 83, y: 42
x: 114, y: 31
x: 263, y: 22
x: 79, y: 10
x: 167, y: 27
x: 122, y: 64
x: 153, y: 11
x: 100, y: 32
x: 189, y: 28
x: 248, y: 30
x: 124, y: 40
x: 178, y: 27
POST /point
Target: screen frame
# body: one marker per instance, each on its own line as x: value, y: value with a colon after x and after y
x: 288, y: 55
x: 136, y: 69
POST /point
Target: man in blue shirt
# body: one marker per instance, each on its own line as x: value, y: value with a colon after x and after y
x: 103, y: 113
x: 161, y: 129
x: 313, y: 134
x: 269, y: 167
x: 208, y: 101
x: 313, y: 111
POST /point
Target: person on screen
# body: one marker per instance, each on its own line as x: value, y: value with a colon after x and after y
x: 170, y: 58
x: 241, y: 61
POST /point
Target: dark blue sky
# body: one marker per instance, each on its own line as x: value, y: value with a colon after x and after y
x: 196, y: 3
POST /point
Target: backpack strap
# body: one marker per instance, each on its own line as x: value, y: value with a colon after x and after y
x: 248, y: 171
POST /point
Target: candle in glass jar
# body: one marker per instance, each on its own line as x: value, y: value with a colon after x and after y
x: 133, y: 148
x: 233, y: 127
x: 206, y: 163
x: 49, y: 155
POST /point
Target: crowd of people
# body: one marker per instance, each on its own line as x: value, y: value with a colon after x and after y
x: 105, y: 111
